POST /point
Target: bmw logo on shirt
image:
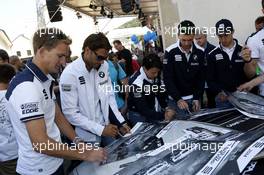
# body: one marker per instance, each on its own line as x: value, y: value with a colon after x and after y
x: 101, y: 74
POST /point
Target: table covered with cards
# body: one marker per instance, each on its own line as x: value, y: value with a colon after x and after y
x: 216, y: 141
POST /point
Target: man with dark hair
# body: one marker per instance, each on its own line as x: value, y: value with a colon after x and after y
x: 15, y: 61
x: 184, y: 71
x: 118, y: 45
x: 147, y: 87
x: 4, y: 58
x: 254, y: 53
x: 36, y: 117
x: 8, y: 144
x: 259, y: 23
x: 125, y: 58
x: 87, y: 96
x: 225, y: 68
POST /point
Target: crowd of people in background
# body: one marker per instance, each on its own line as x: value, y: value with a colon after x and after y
x: 101, y: 95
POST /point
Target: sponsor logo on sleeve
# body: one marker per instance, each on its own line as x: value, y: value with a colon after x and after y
x: 66, y: 87
x: 28, y: 108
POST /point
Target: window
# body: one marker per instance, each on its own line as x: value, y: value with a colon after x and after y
x: 29, y: 52
x: 19, y: 53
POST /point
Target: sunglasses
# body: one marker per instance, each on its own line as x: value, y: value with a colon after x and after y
x: 99, y: 57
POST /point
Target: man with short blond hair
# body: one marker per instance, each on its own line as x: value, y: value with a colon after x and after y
x: 36, y: 117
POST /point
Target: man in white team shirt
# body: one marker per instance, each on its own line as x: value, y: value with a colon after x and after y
x: 254, y: 52
x: 8, y: 145
x: 36, y: 117
x: 86, y: 96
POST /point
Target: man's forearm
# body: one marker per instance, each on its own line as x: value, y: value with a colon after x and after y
x: 61, y: 150
x: 63, y: 124
x: 258, y: 80
x: 250, y: 68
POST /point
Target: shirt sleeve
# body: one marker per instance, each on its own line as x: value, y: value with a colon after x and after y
x: 27, y: 102
x: 253, y: 46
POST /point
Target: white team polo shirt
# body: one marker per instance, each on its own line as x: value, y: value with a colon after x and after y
x: 30, y: 96
x: 256, y: 45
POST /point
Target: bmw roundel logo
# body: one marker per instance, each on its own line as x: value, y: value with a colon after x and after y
x: 101, y: 74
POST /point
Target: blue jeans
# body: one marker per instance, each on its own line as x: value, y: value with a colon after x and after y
x: 181, y: 114
x: 135, y: 117
x: 106, y: 140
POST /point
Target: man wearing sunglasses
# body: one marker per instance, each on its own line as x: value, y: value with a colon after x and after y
x: 87, y: 99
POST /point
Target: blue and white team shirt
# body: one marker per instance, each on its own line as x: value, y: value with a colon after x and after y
x: 30, y: 97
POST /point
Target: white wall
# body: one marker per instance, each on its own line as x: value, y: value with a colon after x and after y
x: 22, y: 44
x: 242, y: 13
x: 206, y: 13
x: 4, y: 45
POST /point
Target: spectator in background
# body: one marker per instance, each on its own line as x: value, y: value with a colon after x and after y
x: 119, y: 81
x: 15, y: 61
x: 4, y: 58
x: 139, y: 55
x: 118, y: 45
x: 128, y: 64
x: 125, y: 56
x: 8, y: 144
x: 201, y: 41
